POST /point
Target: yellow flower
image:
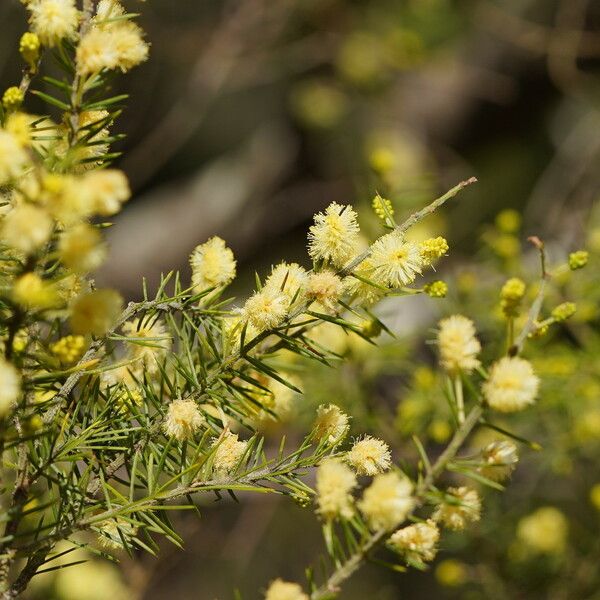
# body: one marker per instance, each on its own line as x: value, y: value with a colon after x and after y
x: 32, y: 292
x: 462, y: 506
x: 12, y: 98
x: 13, y: 158
x: 96, y: 312
x: 432, y: 249
x: 369, y: 456
x: 325, y: 287
x: 229, y: 452
x: 81, y: 248
x: 395, y: 262
x: 148, y: 341
x: 564, y: 311
x: 417, y: 542
x: 511, y: 386
x: 578, y: 260
x: 544, y: 531
x: 68, y: 349
x: 107, y: 190
x: 29, y: 47
x: 387, y: 501
x: 213, y: 265
x: 334, y: 485
x: 457, y: 344
x: 19, y: 125
x: 383, y: 208
x: 436, y: 289
x: 451, y: 573
x: 500, y: 459
x: 284, y: 590
x: 288, y: 279
x: 265, y: 309
x: 26, y: 228
x: 183, y: 419
x: 53, y: 20
x: 10, y: 386
x: 331, y: 424
x: 334, y: 236
x: 511, y: 295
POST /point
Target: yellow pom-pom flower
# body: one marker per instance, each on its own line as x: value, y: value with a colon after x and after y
x: 500, y: 459
x: 229, y: 452
x: 26, y: 228
x: 289, y: 279
x: 213, y: 265
x: 416, y: 542
x: 331, y: 424
x: 334, y: 237
x: 395, y: 261
x: 334, y: 485
x: 183, y: 420
x: 148, y: 341
x: 265, y: 309
x: 96, y: 312
x: 10, y: 386
x: 544, y: 531
x: 13, y: 157
x: 53, y: 20
x: 436, y: 289
x: 369, y: 456
x: 68, y: 349
x: 512, y: 385
x: 457, y: 344
x: 432, y: 249
x: 31, y: 292
x: 326, y: 288
x: 29, y: 47
x: 12, y: 98
x: 461, y: 506
x: 81, y: 248
x: 285, y: 590
x: 578, y: 260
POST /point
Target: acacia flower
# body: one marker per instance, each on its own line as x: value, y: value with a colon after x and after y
x: 331, y: 424
x: 53, y: 20
x: 395, y: 262
x: 416, y: 542
x: 369, y: 456
x: 325, y: 287
x: 81, y: 248
x: 387, y: 501
x: 26, y: 228
x: 462, y: 506
x: 13, y: 157
x: 228, y: 453
x: 457, y: 344
x: 285, y: 590
x: 335, y: 482
x: 148, y: 341
x: 213, y: 265
x: 96, y: 312
x: 512, y: 385
x: 183, y: 419
x: 288, y: 279
x: 69, y: 349
x: 500, y: 459
x: 32, y: 292
x: 334, y: 236
x: 265, y: 309
x: 432, y: 249
x: 106, y: 190
x: 544, y: 531
x: 10, y: 386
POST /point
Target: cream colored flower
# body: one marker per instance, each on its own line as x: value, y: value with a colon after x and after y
x: 417, y: 542
x: 545, y: 530
x: 265, y: 310
x: 369, y: 456
x: 13, y: 157
x: 395, y: 262
x: 81, y: 248
x: 113, y: 531
x: 335, y: 482
x: 331, y: 424
x: 10, y: 386
x: 335, y: 235
x: 288, y: 279
x: 326, y: 288
x: 500, y: 459
x: 458, y: 345
x: 229, y: 451
x: 512, y: 385
x: 53, y: 20
x: 148, y: 341
x: 213, y: 265
x: 183, y: 419
x: 106, y: 190
x: 26, y: 228
x: 284, y: 590
x: 462, y: 506
x: 96, y: 312
x: 387, y: 501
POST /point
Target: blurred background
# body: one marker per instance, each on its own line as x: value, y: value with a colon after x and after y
x: 250, y: 116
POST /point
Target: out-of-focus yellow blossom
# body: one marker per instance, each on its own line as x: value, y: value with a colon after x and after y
x: 439, y: 431
x: 265, y: 309
x: 326, y: 288
x: 512, y: 385
x: 508, y: 221
x: 19, y: 125
x: 395, y: 262
x: 107, y: 189
x: 369, y: 456
x: 13, y: 157
x: 53, y: 20
x: 362, y: 58
x: 10, y: 386
x: 544, y: 531
x: 457, y: 344
x: 26, y: 228
x: 387, y: 501
x: 595, y: 496
x: 148, y: 341
x: 436, y: 289
x: 318, y: 104
x: 511, y: 295
x: 334, y: 485
x: 213, y: 265
x: 183, y: 419
x: 96, y: 312
x: 81, y: 248
x: 331, y: 424
x: 30, y: 291
x: 416, y: 542
x: 578, y: 260
x: 564, y: 311
x: 461, y: 506
x: 285, y: 590
x: 69, y: 349
x: 229, y: 451
x: 12, y: 98
x: 334, y: 237
x: 451, y: 573
x: 29, y: 47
